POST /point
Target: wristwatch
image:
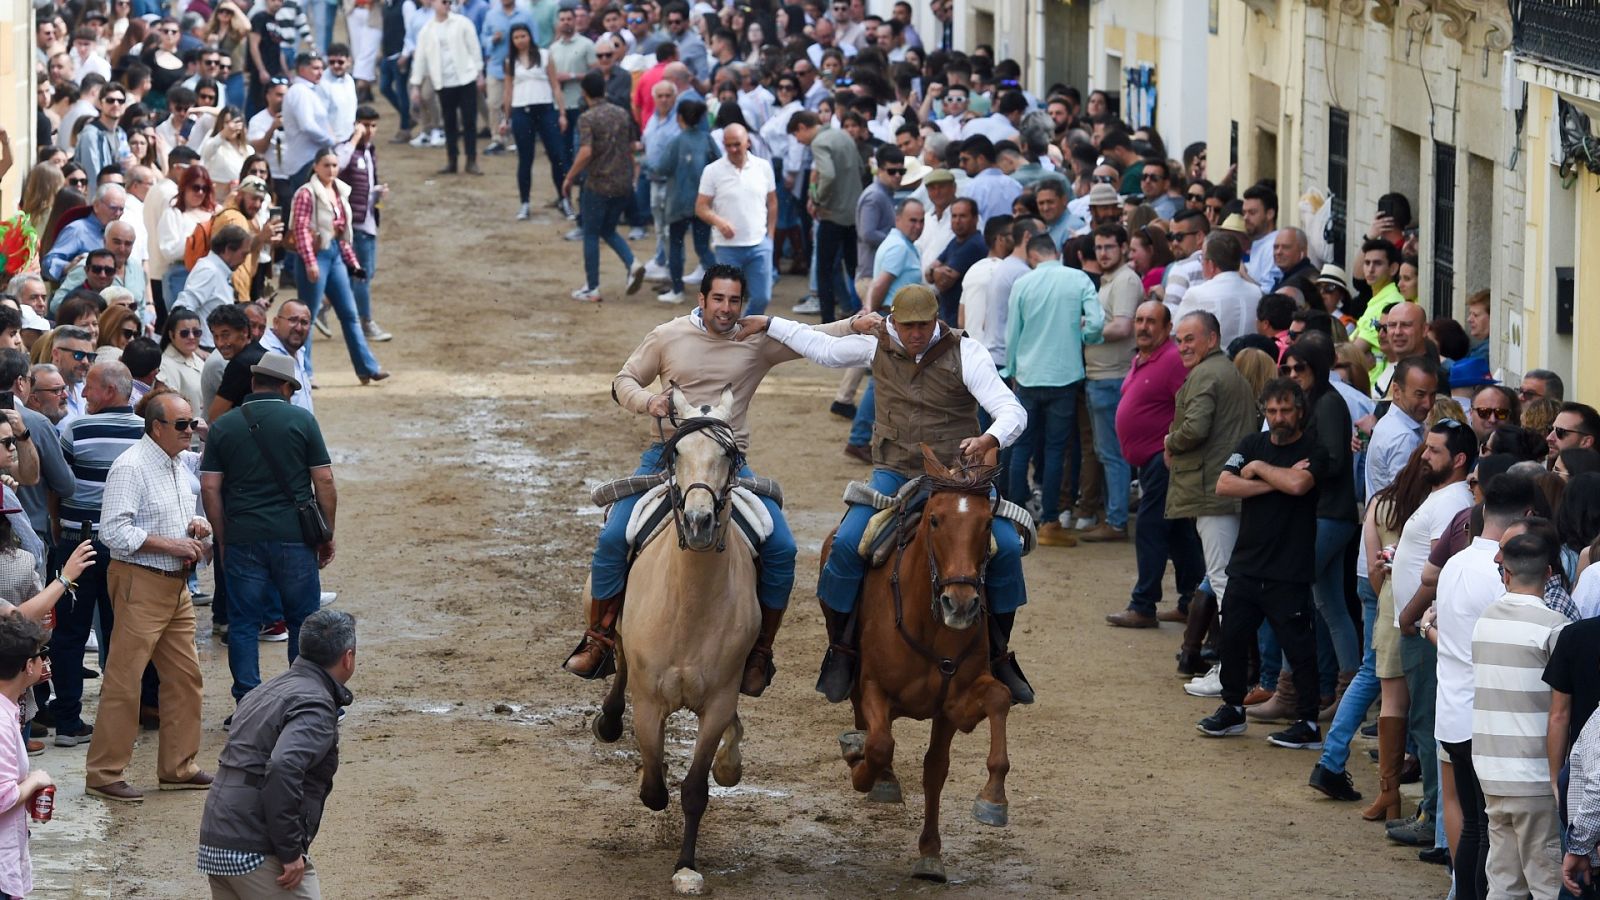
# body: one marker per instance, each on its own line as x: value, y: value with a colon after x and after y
x: 23, y: 436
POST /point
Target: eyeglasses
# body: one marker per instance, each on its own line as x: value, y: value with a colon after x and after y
x: 1527, y: 395
x: 955, y: 99
x: 179, y: 424
x: 1491, y: 413
x: 103, y: 270
x: 1563, y: 433
x: 60, y: 389
x: 1293, y: 368
x: 188, y: 332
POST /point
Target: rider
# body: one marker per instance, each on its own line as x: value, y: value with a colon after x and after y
x: 930, y: 382
x: 697, y: 353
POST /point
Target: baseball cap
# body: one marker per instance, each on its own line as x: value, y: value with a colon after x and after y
x: 938, y: 176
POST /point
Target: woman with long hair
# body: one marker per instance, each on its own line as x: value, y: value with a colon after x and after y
x: 531, y: 112
x: 160, y: 56
x: 322, y: 220
x: 19, y: 234
x: 142, y: 147
x: 133, y: 35
x: 1257, y: 368
x: 229, y: 31
x: 225, y: 149
x: 69, y: 205
x: 1352, y: 367
x: 1577, y: 520
x: 1150, y: 253
x: 182, y: 361
x: 752, y: 40
x: 194, y: 205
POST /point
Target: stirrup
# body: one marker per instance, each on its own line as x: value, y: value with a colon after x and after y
x: 608, y: 655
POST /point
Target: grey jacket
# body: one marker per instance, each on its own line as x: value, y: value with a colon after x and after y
x: 276, y: 771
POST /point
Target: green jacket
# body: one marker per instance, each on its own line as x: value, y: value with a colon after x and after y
x: 1216, y: 408
x: 837, y: 176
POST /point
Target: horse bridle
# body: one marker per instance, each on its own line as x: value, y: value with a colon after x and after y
x: 947, y: 666
x: 721, y: 433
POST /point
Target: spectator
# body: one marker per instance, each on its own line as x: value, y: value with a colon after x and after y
x: 450, y: 58
x: 1107, y: 364
x: 22, y: 665
x: 210, y: 282
x: 606, y: 135
x: 1225, y: 294
x: 837, y: 179
x: 966, y: 247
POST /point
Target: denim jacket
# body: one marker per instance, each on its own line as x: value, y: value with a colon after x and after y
x: 681, y: 164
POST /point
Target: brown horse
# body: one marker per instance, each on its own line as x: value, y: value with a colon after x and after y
x: 925, y: 653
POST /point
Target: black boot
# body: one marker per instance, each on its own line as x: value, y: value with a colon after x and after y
x: 839, y: 664
x: 1002, y: 662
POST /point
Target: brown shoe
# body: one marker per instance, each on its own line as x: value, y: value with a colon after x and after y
x: 1051, y: 534
x: 35, y: 747
x: 858, y: 452
x: 1181, y: 616
x: 200, y: 781
x: 1129, y: 618
x: 1103, y: 534
x: 1257, y: 696
x: 120, y: 791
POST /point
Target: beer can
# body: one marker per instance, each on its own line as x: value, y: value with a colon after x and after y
x: 43, y: 803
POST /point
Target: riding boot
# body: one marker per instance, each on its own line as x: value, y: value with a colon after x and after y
x: 1391, y: 756
x: 595, y: 655
x: 1201, y: 607
x: 758, y: 669
x: 1002, y: 662
x: 839, y: 664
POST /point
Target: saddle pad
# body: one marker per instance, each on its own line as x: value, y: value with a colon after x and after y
x: 651, y: 515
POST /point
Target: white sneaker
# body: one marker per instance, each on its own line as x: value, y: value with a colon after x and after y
x: 810, y: 306
x: 654, y: 272
x: 92, y: 645
x: 522, y: 213
x: 1085, y: 523
x: 587, y: 294
x: 670, y: 297
x: 1207, y: 685
x: 635, y: 278
x: 328, y: 597
x: 423, y: 139
x: 697, y: 276
x: 375, y: 332
x: 436, y: 138
x: 637, y: 234
x: 573, y: 234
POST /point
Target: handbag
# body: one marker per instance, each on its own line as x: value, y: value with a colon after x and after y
x: 314, y: 528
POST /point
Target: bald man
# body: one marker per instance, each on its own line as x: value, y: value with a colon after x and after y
x: 738, y: 199
x: 120, y: 239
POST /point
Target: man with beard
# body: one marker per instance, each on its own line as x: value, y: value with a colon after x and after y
x: 700, y: 355
x: 1274, y: 475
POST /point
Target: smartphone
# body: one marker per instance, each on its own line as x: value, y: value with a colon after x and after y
x: 7, y: 400
x: 85, y: 532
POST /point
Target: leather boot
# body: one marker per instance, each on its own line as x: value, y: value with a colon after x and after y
x: 1281, y: 708
x: 1202, y: 606
x: 839, y: 663
x: 1003, y: 662
x: 1338, y: 694
x: 758, y: 669
x: 595, y: 657
x: 1391, y: 755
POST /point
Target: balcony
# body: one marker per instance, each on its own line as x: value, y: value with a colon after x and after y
x: 1563, y: 34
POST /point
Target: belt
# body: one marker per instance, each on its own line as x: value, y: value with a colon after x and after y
x: 178, y: 573
x: 239, y: 776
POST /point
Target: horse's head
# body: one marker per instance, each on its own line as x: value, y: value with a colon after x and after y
x: 956, y: 522
x: 702, y: 462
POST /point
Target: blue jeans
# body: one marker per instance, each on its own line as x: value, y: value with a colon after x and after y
x: 1052, y: 421
x: 756, y: 261
x: 702, y: 248
x: 1157, y: 539
x: 1103, y: 395
x: 1327, y: 590
x: 600, y: 217
x: 840, y: 580
x: 254, y: 568
x: 1421, y: 660
x: 608, y: 571
x: 1362, y: 692
x: 366, y: 247
x: 323, y: 14
x: 539, y: 121
x: 172, y: 283
x: 571, y: 134
x: 866, y: 413
x: 638, y: 212
x: 392, y: 85
x: 333, y: 281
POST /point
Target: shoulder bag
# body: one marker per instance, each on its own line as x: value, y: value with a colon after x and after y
x: 314, y: 528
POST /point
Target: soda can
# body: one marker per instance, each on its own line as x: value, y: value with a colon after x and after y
x: 43, y: 803
x: 49, y: 619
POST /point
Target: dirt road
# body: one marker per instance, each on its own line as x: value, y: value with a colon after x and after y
x: 468, y: 769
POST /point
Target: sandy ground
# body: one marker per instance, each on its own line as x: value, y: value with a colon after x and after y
x: 468, y: 769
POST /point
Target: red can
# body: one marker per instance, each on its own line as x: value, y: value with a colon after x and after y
x: 43, y: 803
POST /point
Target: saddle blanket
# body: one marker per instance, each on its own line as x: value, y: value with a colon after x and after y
x: 653, y: 512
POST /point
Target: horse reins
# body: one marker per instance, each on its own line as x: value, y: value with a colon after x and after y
x: 722, y: 434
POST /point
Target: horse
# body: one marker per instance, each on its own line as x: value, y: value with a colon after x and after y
x: 689, y: 622
x: 924, y: 654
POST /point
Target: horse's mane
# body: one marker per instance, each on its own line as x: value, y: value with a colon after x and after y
x: 964, y: 480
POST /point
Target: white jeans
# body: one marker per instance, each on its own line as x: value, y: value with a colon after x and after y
x: 1217, y: 537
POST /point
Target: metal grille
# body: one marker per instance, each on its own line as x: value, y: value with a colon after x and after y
x: 1566, y: 32
x: 1338, y: 178
x: 1444, y: 229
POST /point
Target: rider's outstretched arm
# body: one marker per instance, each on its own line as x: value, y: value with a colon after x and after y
x: 834, y: 351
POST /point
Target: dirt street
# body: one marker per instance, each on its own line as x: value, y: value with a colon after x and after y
x: 467, y: 765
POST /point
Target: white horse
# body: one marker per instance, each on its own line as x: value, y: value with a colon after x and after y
x: 688, y: 625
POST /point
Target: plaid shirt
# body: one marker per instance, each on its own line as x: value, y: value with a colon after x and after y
x: 1583, y: 791
x: 1557, y: 599
x: 147, y: 493
x: 218, y: 861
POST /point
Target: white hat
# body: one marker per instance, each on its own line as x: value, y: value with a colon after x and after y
x: 32, y: 321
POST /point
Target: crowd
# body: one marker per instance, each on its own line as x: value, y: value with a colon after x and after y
x: 1355, y: 509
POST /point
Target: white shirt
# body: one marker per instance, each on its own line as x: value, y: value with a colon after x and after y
x: 1468, y: 583
x: 1228, y: 297
x: 995, y: 127
x: 340, y: 96
x: 94, y: 63
x: 856, y: 351
x: 1262, y: 269
x: 739, y: 195
x: 1586, y: 593
x: 210, y: 285
x: 133, y: 214
x: 815, y: 51
x: 975, y: 299
x: 305, y: 126
x: 530, y: 85
x: 260, y: 124
x: 1416, y: 541
x: 302, y: 367
x: 936, y: 235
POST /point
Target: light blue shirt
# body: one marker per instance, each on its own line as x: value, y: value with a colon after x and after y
x: 658, y: 134
x: 1055, y: 310
x: 897, y: 255
x: 994, y: 191
x: 1063, y: 227
x: 74, y: 240
x: 498, y: 20
x: 1395, y: 436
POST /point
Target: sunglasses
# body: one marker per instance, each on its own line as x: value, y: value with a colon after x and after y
x: 188, y: 332
x: 117, y: 100
x: 1293, y: 368
x: 1150, y: 176
x: 1528, y: 395
x: 1564, y: 433
x: 50, y: 390
x: 78, y: 355
x: 10, y: 443
x: 42, y: 652
x: 78, y: 182
x: 1195, y: 198
x: 635, y: 20
x: 1491, y: 413
x: 1177, y: 236
x: 130, y: 333
x: 1102, y: 179
x: 895, y: 170
x: 602, y: 56
x: 180, y: 424
x: 103, y: 270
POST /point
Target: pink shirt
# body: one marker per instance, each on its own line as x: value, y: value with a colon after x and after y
x: 16, y: 870
x: 1149, y: 403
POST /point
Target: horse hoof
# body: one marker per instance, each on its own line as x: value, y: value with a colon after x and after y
x: 929, y: 868
x: 606, y: 731
x: 885, y: 792
x: 989, y: 813
x: 688, y: 883
x: 727, y: 777
x: 853, y: 745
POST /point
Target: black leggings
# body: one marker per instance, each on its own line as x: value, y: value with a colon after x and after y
x: 460, y: 101
x: 1472, y: 852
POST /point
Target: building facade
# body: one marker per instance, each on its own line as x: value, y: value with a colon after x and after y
x: 17, y: 104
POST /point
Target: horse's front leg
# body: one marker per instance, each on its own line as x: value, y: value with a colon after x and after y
x: 876, y: 754
x: 716, y: 719
x: 935, y: 768
x: 990, y: 807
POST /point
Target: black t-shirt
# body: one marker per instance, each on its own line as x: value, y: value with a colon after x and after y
x: 1277, y: 531
x: 1331, y: 428
x: 1574, y: 669
x: 235, y: 384
x: 271, y: 58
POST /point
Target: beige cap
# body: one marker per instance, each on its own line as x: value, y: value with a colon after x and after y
x: 1104, y: 195
x: 279, y: 366
x: 937, y: 176
x: 915, y: 303
x: 254, y: 184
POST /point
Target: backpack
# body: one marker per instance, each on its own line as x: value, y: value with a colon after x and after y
x: 198, y: 244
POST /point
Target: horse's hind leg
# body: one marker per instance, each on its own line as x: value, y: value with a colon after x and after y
x: 728, y: 767
x: 607, y: 724
x: 650, y: 727
x: 719, y: 716
x: 935, y: 768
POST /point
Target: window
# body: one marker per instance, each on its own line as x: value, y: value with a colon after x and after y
x: 1444, y: 229
x: 1338, y: 177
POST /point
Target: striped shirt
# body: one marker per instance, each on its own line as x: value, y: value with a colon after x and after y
x: 1511, y: 644
x: 90, y: 445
